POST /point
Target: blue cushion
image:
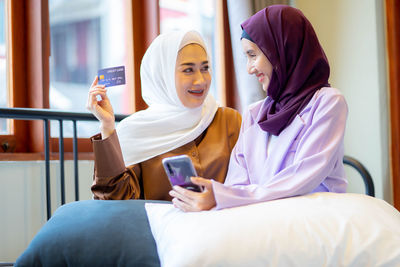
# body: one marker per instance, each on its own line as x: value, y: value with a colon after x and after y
x: 94, y: 233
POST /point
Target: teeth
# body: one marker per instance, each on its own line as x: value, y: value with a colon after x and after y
x: 196, y: 91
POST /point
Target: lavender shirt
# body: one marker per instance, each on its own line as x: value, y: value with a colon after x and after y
x: 307, y: 156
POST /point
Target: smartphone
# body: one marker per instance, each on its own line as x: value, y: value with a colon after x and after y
x: 179, y: 169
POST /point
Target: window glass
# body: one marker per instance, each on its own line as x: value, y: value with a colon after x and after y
x: 192, y: 15
x: 88, y: 35
x: 3, y: 66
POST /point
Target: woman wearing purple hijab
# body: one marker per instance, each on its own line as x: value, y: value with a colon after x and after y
x: 291, y: 143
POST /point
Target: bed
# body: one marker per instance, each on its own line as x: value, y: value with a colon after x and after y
x: 321, y: 229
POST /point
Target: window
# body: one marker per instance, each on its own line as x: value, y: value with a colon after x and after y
x: 86, y: 36
x: 55, y: 48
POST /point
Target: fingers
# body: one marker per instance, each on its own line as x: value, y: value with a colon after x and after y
x: 183, y: 206
x: 202, y: 182
x: 98, y: 91
x: 182, y: 194
x: 184, y: 199
x: 95, y: 87
x: 99, y: 87
x: 187, y: 200
x: 92, y: 98
x: 94, y: 92
x: 95, y: 81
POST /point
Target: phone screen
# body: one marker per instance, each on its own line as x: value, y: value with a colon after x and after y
x: 179, y: 170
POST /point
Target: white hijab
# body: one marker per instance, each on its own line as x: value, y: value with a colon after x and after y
x: 166, y: 124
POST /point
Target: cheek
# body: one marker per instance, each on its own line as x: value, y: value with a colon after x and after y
x: 181, y: 82
x: 177, y: 81
x: 264, y: 65
x: 180, y: 86
x: 207, y: 77
x: 268, y: 68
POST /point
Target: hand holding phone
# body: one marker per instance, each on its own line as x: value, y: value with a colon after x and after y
x: 179, y: 169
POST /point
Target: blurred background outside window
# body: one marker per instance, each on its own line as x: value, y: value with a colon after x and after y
x: 88, y: 35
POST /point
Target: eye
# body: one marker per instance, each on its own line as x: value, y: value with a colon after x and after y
x: 250, y: 54
x: 205, y: 68
x: 188, y: 70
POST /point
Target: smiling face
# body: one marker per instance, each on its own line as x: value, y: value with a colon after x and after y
x: 192, y: 76
x: 257, y: 63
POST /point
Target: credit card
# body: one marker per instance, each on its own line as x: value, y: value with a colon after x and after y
x: 112, y: 76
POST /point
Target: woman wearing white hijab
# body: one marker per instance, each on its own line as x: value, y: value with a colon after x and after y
x: 182, y: 118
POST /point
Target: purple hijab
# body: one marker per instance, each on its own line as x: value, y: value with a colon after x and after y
x: 288, y: 40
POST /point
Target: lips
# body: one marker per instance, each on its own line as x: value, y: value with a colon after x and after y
x: 198, y: 92
x: 260, y: 77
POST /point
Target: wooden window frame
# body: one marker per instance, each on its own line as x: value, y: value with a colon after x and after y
x: 28, y: 48
x: 230, y: 91
x: 28, y: 55
x: 393, y: 56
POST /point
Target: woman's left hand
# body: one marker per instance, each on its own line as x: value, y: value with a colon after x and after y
x: 188, y: 200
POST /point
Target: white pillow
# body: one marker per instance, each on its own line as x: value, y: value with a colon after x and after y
x: 321, y: 229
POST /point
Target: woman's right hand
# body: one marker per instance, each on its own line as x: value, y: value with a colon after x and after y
x: 187, y: 200
x: 101, y: 109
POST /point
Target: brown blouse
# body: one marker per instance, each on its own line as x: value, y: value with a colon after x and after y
x: 209, y: 152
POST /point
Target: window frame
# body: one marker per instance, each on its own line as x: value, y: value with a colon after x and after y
x: 28, y: 50
x: 26, y: 69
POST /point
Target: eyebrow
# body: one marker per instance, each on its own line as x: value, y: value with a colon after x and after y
x: 192, y: 64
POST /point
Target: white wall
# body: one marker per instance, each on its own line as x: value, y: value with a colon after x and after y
x: 23, y: 200
x: 352, y: 35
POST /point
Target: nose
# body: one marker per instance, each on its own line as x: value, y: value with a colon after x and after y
x: 250, y: 68
x: 199, y: 78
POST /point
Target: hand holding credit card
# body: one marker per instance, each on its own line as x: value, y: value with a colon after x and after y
x: 112, y: 76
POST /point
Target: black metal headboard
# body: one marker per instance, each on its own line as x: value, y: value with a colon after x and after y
x: 365, y: 175
x: 46, y: 115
